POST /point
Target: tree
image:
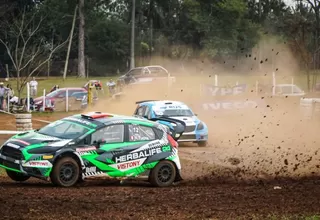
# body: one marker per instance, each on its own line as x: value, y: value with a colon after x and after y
x: 28, y: 50
x: 81, y: 49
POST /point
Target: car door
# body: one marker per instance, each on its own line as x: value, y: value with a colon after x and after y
x: 137, y: 151
x: 105, y: 143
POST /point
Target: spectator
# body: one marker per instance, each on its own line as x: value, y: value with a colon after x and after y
x: 33, y: 87
x: 2, y: 94
x: 9, y: 92
x: 54, y: 88
x: 111, y: 85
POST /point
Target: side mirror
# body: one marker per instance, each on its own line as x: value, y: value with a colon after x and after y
x: 101, y: 141
x: 195, y: 114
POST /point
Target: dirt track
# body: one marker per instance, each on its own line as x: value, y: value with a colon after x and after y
x: 233, y: 177
x: 189, y: 200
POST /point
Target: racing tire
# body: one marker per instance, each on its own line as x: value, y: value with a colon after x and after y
x: 202, y: 143
x: 65, y: 172
x: 19, y: 177
x: 163, y: 174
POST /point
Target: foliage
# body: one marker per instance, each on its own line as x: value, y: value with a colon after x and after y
x: 173, y: 28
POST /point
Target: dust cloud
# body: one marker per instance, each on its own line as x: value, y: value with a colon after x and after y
x: 271, y: 140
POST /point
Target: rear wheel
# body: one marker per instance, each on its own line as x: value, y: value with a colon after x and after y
x: 65, y: 172
x: 19, y: 177
x: 202, y: 143
x: 163, y: 174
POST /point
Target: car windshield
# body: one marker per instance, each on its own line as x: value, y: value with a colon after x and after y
x: 173, y: 112
x: 64, y: 130
x: 52, y: 94
x: 290, y: 89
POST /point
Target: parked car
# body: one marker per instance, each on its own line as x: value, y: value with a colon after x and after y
x: 95, y: 144
x: 288, y: 90
x: 145, y: 74
x: 59, y: 93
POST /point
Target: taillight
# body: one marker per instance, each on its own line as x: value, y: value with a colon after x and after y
x: 172, y: 142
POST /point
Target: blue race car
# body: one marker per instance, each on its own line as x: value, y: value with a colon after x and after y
x: 196, y: 130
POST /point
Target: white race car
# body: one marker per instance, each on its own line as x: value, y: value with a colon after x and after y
x: 195, y: 131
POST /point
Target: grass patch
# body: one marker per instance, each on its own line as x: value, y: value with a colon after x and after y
x: 48, y: 83
x: 2, y: 172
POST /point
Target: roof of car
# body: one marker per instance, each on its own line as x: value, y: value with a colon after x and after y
x: 104, y: 118
x: 164, y: 102
x: 279, y: 85
x: 72, y: 88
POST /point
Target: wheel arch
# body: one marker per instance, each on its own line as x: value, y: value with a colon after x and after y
x: 71, y: 154
x: 178, y: 175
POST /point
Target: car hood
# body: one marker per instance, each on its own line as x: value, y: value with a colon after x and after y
x: 189, y: 120
x: 34, y: 138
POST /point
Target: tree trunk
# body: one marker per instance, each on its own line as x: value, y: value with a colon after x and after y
x: 133, y: 12
x: 70, y: 43
x: 81, y: 57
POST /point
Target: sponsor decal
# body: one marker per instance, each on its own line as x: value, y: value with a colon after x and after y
x: 128, y: 165
x: 166, y: 149
x: 91, y: 169
x: 13, y: 145
x: 85, y: 149
x: 138, y: 155
x: 38, y: 163
x: 47, y: 157
x: 231, y: 105
x: 222, y: 91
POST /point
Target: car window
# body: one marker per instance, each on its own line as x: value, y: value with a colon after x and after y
x: 53, y: 94
x: 147, y: 111
x: 135, y: 72
x: 158, y: 71
x: 140, y: 133
x: 63, y: 129
x: 71, y: 92
x: 140, y: 111
x: 291, y: 89
x: 145, y: 71
x: 110, y: 134
x: 61, y: 94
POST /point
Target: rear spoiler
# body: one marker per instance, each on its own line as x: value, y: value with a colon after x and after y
x: 176, y: 130
x: 142, y: 101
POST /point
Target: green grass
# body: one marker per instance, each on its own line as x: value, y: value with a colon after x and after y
x: 2, y: 172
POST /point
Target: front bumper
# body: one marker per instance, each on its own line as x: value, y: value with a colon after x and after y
x: 193, y: 137
x: 35, y: 168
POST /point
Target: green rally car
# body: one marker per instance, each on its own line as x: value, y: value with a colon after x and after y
x: 95, y: 144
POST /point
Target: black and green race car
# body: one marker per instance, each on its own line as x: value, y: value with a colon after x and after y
x: 95, y: 144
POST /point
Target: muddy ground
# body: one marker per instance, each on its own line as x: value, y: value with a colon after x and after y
x: 260, y: 162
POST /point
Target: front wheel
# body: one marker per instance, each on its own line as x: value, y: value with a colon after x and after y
x: 65, y: 172
x: 163, y: 174
x: 19, y: 177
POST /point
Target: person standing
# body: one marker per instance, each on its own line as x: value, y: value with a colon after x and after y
x: 33, y: 87
x: 2, y: 95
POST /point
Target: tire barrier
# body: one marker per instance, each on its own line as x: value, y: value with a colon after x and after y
x: 23, y: 122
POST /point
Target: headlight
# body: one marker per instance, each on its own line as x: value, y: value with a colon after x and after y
x: 200, y: 126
